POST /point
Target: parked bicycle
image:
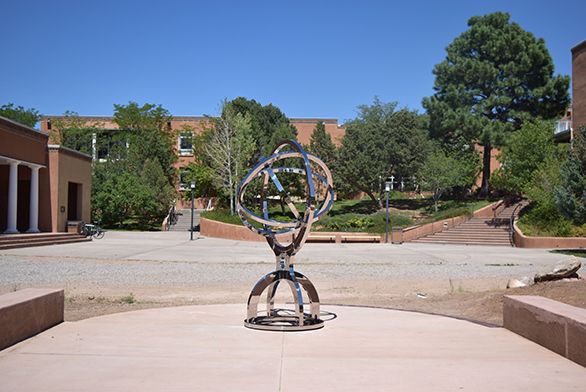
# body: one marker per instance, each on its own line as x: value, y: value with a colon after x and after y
x: 91, y: 230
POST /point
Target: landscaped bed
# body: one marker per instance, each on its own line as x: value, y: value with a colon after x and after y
x: 365, y: 215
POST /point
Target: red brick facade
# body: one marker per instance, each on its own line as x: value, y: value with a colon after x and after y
x: 579, y: 86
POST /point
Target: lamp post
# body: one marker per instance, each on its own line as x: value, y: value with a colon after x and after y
x: 388, y: 186
x: 192, y: 207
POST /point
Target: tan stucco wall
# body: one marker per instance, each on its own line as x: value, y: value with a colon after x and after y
x: 68, y: 166
x: 28, y: 145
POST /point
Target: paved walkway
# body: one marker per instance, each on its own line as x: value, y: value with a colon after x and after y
x: 206, y: 348
x: 127, y: 261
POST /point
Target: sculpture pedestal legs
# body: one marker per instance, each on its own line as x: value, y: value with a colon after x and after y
x: 283, y: 319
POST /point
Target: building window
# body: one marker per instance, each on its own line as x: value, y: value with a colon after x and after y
x: 186, y: 144
x: 182, y: 180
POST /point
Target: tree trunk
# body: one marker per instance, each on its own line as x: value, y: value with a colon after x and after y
x: 379, y: 202
x: 484, y: 188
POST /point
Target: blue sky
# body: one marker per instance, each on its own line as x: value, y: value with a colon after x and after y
x: 310, y: 58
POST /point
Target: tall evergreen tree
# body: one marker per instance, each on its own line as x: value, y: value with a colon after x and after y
x: 322, y: 146
x: 495, y: 77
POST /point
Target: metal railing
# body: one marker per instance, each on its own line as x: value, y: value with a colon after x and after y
x: 512, y: 222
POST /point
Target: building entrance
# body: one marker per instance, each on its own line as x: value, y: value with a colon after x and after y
x: 74, y: 207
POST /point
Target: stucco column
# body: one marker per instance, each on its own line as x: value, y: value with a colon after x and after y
x: 33, y: 225
x: 12, y: 198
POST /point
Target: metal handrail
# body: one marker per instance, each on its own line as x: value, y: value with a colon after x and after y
x: 512, y: 223
x: 169, y: 220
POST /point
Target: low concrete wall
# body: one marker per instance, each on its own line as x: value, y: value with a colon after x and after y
x: 552, y: 324
x: 212, y: 228
x: 522, y: 241
x: 27, y: 312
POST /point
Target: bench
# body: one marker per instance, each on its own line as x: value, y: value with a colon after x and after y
x: 361, y: 238
x: 321, y: 238
x: 27, y: 312
x: 551, y: 324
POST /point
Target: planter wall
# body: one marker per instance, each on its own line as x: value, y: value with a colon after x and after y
x: 522, y: 241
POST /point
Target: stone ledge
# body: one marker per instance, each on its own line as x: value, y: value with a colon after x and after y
x: 554, y: 325
x: 27, y: 312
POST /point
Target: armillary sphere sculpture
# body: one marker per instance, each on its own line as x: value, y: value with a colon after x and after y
x: 285, y: 237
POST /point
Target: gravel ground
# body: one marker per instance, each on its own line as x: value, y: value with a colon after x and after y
x: 167, y: 269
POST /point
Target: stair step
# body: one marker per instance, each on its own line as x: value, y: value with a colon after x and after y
x: 466, y: 235
x: 462, y: 243
x: 5, y: 246
x: 463, y: 239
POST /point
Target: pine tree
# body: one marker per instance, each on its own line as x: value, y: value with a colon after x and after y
x: 495, y: 77
x: 321, y: 145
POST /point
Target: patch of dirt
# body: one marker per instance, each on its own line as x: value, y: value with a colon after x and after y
x: 479, y: 306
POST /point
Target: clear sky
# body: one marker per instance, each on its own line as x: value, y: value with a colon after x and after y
x: 310, y: 58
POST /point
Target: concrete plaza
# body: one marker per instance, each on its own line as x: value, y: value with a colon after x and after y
x: 205, y: 347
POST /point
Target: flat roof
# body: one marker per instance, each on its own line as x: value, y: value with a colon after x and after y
x: 580, y: 46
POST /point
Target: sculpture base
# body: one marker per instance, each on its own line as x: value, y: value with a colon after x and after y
x: 283, y: 323
x: 273, y: 319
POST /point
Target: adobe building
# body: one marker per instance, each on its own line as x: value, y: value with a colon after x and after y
x: 42, y: 186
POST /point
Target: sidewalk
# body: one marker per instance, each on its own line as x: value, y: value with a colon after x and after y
x: 206, y: 348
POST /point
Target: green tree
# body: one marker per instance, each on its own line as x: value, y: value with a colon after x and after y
x: 161, y: 193
x: 204, y: 177
x: 524, y: 153
x: 269, y: 123
x: 145, y: 129
x: 118, y: 199
x: 29, y: 117
x: 135, y: 186
x: 74, y: 132
x: 148, y: 116
x: 570, y: 195
x: 543, y: 217
x: 442, y: 172
x: 230, y: 147
x: 322, y: 146
x: 495, y: 77
x: 379, y: 143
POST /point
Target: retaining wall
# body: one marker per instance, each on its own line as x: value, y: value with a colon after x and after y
x: 27, y: 312
x: 551, y: 324
x: 522, y: 241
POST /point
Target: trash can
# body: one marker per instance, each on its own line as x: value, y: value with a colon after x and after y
x: 397, y: 235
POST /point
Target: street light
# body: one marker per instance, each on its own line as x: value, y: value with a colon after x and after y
x: 192, y: 206
x: 388, y: 186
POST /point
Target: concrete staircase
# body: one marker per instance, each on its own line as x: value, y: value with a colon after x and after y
x: 477, y: 231
x: 184, y: 220
x: 11, y: 241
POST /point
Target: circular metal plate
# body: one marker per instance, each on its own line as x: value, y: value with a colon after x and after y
x: 280, y: 323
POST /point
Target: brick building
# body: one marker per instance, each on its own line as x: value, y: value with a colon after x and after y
x: 575, y: 118
x: 579, y: 86
x: 184, y: 127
